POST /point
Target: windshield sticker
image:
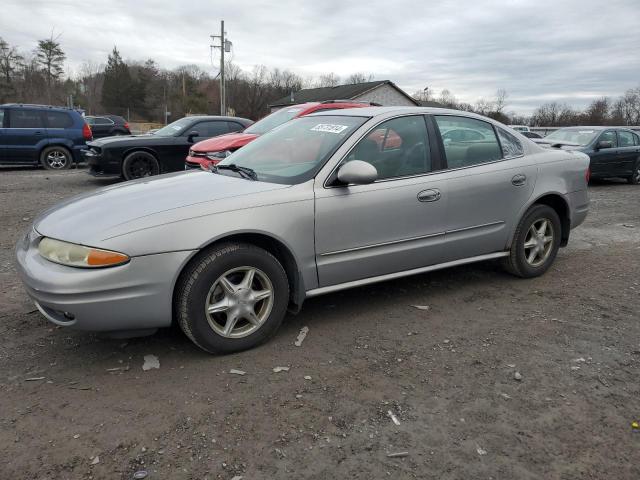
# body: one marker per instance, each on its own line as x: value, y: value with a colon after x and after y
x: 176, y: 127
x: 293, y: 110
x: 586, y: 131
x: 329, y: 128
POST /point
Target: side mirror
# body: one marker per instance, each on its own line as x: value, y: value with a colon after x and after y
x: 357, y: 172
x: 604, y: 144
x: 191, y: 135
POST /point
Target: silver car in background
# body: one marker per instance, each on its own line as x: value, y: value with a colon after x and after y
x: 323, y: 203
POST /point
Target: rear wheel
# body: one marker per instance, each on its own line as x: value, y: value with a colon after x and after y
x: 55, y: 158
x: 139, y: 165
x: 535, y: 243
x: 231, y: 298
x: 634, y: 179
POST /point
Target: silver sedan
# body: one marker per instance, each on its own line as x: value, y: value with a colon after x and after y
x: 324, y: 203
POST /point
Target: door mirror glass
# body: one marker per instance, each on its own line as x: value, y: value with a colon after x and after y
x: 604, y: 144
x: 357, y: 172
x: 192, y: 134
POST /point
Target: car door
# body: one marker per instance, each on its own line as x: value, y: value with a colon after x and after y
x: 489, y: 180
x: 25, y: 136
x: 627, y: 153
x: 391, y: 225
x: 605, y: 162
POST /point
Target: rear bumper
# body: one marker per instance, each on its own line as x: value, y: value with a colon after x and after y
x: 134, y: 296
x: 578, y: 207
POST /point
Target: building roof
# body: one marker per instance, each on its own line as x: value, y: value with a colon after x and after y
x: 339, y: 92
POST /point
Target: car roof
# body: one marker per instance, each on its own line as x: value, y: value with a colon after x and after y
x: 34, y: 105
x: 379, y: 111
x: 218, y: 117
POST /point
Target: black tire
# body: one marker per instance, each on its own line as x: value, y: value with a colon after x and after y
x: 56, y: 157
x: 199, y: 282
x: 140, y: 164
x: 634, y: 179
x: 517, y: 262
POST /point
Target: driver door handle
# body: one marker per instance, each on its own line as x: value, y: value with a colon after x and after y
x: 430, y: 195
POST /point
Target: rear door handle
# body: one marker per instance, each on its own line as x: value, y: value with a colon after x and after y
x: 519, y: 180
x: 430, y: 195
x: 37, y: 132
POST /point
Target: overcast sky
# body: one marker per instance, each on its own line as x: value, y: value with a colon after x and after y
x: 538, y: 50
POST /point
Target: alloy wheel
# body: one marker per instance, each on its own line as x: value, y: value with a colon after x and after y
x: 239, y: 302
x: 538, y: 243
x: 636, y: 175
x: 140, y: 167
x: 56, y: 159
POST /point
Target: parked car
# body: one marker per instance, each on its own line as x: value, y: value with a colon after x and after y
x: 312, y: 207
x: 614, y: 152
x: 531, y: 134
x: 209, y: 152
x: 41, y: 135
x: 138, y: 156
x: 107, y: 125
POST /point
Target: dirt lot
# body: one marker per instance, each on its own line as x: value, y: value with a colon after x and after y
x: 446, y: 373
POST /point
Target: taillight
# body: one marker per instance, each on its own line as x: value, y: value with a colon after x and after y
x: 86, y: 132
x: 587, y: 174
x: 126, y: 125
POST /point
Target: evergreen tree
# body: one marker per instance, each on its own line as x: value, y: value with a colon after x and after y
x: 117, y: 87
x: 50, y: 57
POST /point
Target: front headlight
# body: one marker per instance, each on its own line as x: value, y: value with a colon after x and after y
x: 218, y: 155
x: 73, y: 255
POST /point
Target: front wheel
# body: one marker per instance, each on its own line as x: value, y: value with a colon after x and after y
x: 535, y: 243
x: 55, y: 158
x: 139, y: 165
x: 634, y: 179
x: 231, y: 298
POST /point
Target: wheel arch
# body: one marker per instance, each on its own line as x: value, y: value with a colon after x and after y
x: 130, y: 150
x: 556, y: 201
x: 267, y: 242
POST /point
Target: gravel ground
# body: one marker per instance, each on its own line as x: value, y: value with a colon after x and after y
x: 447, y: 374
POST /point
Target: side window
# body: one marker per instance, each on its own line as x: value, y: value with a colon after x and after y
x: 58, y: 120
x: 625, y: 138
x: 397, y: 148
x: 1, y: 117
x: 636, y: 139
x: 234, y: 127
x: 511, y: 146
x: 468, y: 141
x: 609, y: 136
x: 25, y: 119
x: 209, y: 129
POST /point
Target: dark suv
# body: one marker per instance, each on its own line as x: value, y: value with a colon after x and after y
x: 40, y: 134
x: 107, y: 125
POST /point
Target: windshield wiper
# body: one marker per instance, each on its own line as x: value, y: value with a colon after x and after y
x: 245, y: 172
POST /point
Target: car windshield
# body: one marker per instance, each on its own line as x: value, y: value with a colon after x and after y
x: 274, y: 120
x: 173, y: 129
x: 295, y: 152
x: 578, y: 136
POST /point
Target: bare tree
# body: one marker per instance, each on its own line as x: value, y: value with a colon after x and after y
x: 359, y: 77
x: 500, y: 101
x: 328, y: 80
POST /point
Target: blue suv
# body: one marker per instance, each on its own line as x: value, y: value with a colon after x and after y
x: 40, y: 134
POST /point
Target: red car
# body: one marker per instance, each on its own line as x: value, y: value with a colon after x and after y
x: 213, y: 150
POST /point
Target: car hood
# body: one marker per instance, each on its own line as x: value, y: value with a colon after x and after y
x: 125, y: 140
x: 224, y: 142
x: 93, y: 218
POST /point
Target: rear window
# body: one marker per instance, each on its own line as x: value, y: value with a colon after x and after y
x: 58, y: 120
x: 25, y: 119
x: 511, y: 146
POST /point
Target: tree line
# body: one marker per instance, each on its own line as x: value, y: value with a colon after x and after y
x: 144, y: 91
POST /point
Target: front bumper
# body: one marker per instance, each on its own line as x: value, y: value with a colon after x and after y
x: 134, y: 296
x: 99, y: 166
x: 193, y: 162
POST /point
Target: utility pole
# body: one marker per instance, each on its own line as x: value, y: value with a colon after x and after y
x: 225, y: 46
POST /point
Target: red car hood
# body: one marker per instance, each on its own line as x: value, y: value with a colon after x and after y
x: 230, y: 141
